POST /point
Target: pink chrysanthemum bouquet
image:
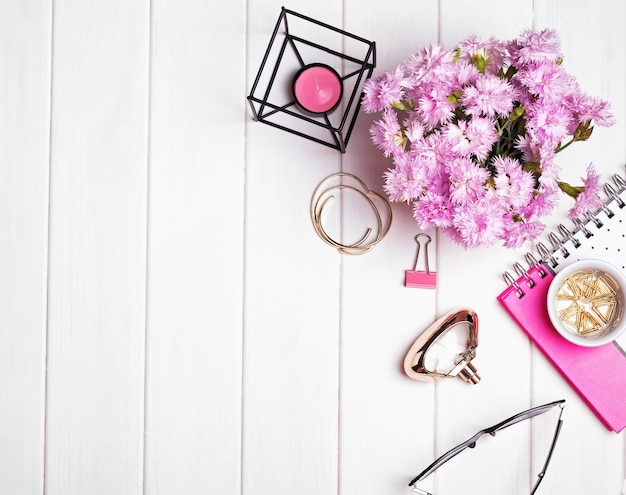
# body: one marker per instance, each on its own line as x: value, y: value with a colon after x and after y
x: 473, y: 133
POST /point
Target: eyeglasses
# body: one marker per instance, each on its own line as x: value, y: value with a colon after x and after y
x: 471, y: 443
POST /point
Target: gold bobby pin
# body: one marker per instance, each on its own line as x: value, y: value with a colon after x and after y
x: 590, y: 301
x: 323, y: 195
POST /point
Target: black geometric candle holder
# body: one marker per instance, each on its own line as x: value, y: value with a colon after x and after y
x: 292, y: 48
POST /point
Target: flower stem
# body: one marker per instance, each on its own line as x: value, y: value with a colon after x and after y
x: 561, y: 148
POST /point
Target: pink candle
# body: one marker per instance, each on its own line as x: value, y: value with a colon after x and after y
x: 317, y: 88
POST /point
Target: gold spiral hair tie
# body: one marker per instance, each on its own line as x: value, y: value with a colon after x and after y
x: 324, y: 194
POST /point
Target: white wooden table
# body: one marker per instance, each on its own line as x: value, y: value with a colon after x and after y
x: 170, y: 323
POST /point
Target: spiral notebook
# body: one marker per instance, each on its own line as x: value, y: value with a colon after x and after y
x: 598, y: 374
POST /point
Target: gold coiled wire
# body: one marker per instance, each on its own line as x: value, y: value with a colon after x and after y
x: 323, y: 195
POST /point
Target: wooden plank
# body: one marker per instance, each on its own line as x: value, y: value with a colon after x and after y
x: 196, y: 221
x: 472, y: 278
x: 592, y: 42
x: 293, y: 381
x: 387, y: 420
x: 25, y: 42
x: 97, y: 248
x: 292, y: 318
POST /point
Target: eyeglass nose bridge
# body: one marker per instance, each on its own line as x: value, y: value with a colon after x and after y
x: 414, y: 362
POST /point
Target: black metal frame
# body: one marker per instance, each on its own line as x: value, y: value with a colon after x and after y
x: 492, y: 430
x: 339, y: 134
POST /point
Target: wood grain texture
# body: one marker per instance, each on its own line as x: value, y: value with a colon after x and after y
x: 589, y: 41
x: 25, y: 46
x: 292, y: 298
x: 195, y: 267
x: 98, y: 224
x: 170, y: 323
x: 467, y: 277
x: 386, y: 418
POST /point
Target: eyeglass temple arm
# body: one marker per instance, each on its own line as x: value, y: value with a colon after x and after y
x: 557, y: 430
x: 419, y: 491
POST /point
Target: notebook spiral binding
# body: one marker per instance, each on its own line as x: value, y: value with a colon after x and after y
x: 560, y: 239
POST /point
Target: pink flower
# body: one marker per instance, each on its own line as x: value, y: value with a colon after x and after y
x: 547, y: 81
x: 415, y: 129
x: 518, y: 232
x: 535, y: 47
x: 405, y: 181
x: 467, y: 181
x: 528, y: 147
x: 489, y: 96
x: 540, y: 205
x: 482, y: 136
x: 428, y: 65
x: 434, y: 151
x: 479, y: 223
x: 492, y: 52
x: 514, y: 186
x: 435, y: 106
x: 383, y: 91
x: 474, y: 135
x: 548, y: 181
x: 456, y: 134
x: 433, y: 210
x: 588, y: 199
x: 464, y: 74
x: 548, y: 122
x: 589, y: 109
x: 385, y: 133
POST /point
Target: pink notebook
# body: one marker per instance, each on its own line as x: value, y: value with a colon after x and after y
x: 598, y: 374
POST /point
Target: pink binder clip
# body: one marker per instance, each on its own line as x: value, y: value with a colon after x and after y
x: 421, y: 279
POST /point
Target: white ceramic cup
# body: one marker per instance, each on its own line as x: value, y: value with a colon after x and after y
x: 609, y: 274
